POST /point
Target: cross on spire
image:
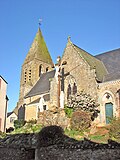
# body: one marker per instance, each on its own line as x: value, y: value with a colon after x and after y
x: 40, y: 22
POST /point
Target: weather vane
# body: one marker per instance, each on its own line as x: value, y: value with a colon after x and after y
x: 40, y: 22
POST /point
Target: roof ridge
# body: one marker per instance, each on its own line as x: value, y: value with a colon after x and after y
x: 74, y: 46
x: 108, y: 51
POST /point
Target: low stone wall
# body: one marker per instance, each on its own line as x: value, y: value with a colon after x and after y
x: 52, y: 144
x: 55, y: 153
x: 18, y: 147
x: 16, y: 153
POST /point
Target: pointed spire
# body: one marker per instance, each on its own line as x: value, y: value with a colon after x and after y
x: 39, y: 49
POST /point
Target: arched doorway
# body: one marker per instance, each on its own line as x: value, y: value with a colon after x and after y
x: 108, y: 112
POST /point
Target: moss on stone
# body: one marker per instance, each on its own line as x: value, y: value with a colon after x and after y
x: 39, y: 49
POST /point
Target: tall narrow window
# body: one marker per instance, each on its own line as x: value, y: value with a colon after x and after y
x: 40, y: 70
x: 74, y: 89
x: 68, y: 91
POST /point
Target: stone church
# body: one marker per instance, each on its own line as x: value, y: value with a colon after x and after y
x: 45, y: 85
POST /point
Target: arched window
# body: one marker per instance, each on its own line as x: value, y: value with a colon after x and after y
x: 68, y: 91
x: 74, y: 89
x: 40, y: 70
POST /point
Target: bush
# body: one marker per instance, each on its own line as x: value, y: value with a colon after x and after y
x: 85, y: 102
x: 19, y: 123
x: 114, y: 131
x: 80, y: 120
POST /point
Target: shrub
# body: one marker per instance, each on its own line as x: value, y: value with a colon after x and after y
x: 19, y: 123
x: 85, y: 102
x: 80, y: 120
x: 114, y: 131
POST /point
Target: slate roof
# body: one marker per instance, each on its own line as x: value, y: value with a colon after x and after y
x: 111, y: 61
x: 9, y: 113
x: 93, y: 62
x: 43, y: 84
x: 3, y: 79
x: 39, y: 50
x: 112, y: 77
x: 46, y: 98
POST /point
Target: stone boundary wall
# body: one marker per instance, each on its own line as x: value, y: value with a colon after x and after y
x: 52, y: 144
x: 81, y: 150
x: 16, y: 154
x: 18, y: 147
x: 54, y: 153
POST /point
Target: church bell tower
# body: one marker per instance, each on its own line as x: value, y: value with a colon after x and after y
x: 37, y: 61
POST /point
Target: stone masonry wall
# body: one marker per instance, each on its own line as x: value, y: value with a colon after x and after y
x: 110, y: 88
x: 18, y: 147
x: 79, y: 72
x: 32, y: 76
x: 52, y: 144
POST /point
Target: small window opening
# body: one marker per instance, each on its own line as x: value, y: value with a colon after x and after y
x: 40, y: 70
x: 47, y: 69
x: 44, y: 107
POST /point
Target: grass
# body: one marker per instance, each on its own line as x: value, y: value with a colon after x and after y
x: 74, y: 134
x: 101, y: 136
x: 28, y: 128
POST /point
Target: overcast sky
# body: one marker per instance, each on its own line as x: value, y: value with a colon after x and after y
x: 93, y: 25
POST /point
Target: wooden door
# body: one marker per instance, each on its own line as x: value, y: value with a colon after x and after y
x: 108, y: 112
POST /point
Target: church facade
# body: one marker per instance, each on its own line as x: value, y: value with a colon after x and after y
x: 45, y: 85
